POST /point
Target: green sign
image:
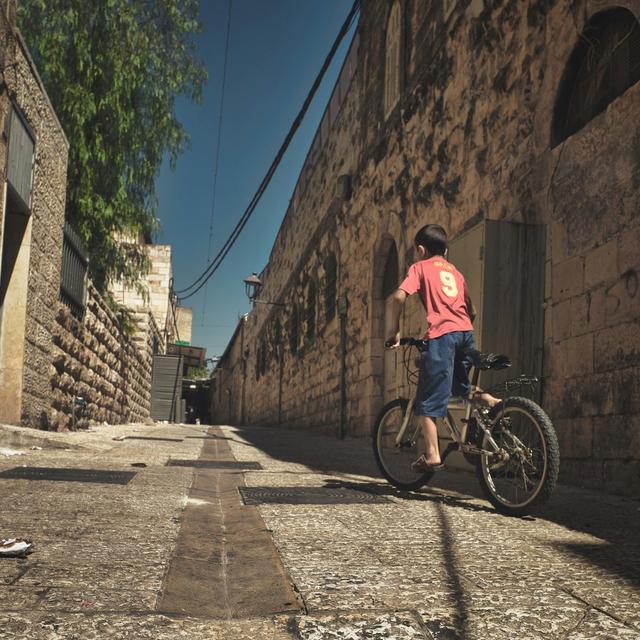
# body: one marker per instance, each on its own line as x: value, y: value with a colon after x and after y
x: 183, y: 343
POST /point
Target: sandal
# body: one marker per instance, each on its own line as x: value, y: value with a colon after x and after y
x: 421, y: 464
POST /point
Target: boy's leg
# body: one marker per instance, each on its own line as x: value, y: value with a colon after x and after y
x: 462, y: 365
x: 430, y: 433
x: 434, y: 386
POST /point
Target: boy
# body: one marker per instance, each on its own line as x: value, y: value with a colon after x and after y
x: 444, y: 369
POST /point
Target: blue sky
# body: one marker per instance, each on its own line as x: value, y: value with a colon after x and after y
x: 276, y: 49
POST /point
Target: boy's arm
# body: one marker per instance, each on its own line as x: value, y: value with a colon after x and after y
x: 392, y: 331
x: 470, y: 307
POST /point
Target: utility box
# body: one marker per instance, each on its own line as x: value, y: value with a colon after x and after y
x: 166, y: 389
x: 503, y: 264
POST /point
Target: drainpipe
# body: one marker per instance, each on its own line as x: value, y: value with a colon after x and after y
x: 280, y: 374
x: 342, y: 311
x: 243, y: 365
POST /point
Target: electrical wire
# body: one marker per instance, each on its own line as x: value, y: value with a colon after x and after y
x: 218, y: 144
x: 200, y: 282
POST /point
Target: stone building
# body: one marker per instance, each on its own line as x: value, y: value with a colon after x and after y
x: 33, y: 163
x: 514, y: 126
x: 153, y: 297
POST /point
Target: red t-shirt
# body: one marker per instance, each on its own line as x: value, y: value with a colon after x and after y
x: 443, y: 293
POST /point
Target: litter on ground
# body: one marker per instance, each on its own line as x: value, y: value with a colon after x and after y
x: 15, y: 548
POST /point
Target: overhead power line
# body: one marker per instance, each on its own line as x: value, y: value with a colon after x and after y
x: 200, y: 282
x: 218, y: 144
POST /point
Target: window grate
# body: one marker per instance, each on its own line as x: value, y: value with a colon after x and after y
x: 99, y: 476
x: 75, y: 265
x: 307, y: 495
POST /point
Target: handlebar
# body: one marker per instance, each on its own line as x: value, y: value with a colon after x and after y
x: 411, y: 342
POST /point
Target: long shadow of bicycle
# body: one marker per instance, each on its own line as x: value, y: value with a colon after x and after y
x: 386, y: 490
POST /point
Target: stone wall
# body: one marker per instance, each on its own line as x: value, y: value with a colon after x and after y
x: 469, y: 140
x: 28, y: 314
x: 94, y: 360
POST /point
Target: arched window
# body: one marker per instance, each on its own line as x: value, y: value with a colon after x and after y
x: 330, y: 287
x: 390, y: 279
x: 602, y: 66
x: 294, y: 324
x: 392, y: 62
x: 310, y: 311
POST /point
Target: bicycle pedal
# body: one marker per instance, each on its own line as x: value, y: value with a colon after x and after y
x: 453, y: 446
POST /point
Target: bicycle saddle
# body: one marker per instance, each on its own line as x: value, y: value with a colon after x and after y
x: 486, y: 361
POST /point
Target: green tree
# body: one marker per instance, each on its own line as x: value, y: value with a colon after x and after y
x: 113, y: 70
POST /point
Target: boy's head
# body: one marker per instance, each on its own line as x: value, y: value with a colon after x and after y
x: 431, y: 240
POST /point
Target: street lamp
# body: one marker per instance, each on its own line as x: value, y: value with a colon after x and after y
x: 252, y: 286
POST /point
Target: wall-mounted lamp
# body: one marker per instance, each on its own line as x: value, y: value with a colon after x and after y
x: 252, y: 286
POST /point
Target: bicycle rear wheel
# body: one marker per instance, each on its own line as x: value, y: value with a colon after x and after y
x: 394, y: 459
x: 526, y: 474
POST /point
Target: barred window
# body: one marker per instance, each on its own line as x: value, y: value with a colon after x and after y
x: 603, y: 65
x: 73, y: 277
x: 390, y: 280
x: 392, y: 63
x: 294, y: 323
x: 330, y: 287
x: 311, y: 310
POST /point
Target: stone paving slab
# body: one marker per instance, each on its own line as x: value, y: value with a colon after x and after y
x: 437, y: 564
x: 445, y: 555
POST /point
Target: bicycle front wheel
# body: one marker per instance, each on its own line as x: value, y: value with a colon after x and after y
x: 394, y: 458
x: 524, y: 472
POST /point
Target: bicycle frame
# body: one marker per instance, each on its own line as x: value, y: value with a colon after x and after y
x: 458, y: 435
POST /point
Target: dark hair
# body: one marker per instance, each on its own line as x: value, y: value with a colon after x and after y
x: 433, y: 238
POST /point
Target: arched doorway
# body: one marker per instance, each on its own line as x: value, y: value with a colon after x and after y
x: 385, y: 363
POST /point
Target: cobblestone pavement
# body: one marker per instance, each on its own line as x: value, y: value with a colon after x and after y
x: 367, y: 561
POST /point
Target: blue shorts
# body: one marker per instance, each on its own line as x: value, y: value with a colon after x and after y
x: 444, y: 372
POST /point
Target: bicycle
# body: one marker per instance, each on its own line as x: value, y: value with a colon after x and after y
x: 513, y: 445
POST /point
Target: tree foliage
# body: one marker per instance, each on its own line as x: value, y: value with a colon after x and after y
x: 113, y: 70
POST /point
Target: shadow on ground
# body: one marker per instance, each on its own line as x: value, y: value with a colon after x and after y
x: 612, y: 519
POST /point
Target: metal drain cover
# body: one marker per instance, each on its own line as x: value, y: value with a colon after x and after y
x: 69, y: 475
x: 306, y: 495
x: 214, y: 464
x: 154, y: 438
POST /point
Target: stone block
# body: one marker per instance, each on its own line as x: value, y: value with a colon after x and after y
x: 579, y: 353
x: 575, y: 437
x: 595, y: 394
x: 622, y: 477
x: 588, y: 311
x: 559, y: 245
x: 618, y: 347
x: 583, y: 473
x: 626, y: 391
x: 628, y: 253
x: 567, y: 278
x: 616, y: 437
x: 622, y: 299
x: 601, y: 265
x: 555, y: 360
x: 561, y: 314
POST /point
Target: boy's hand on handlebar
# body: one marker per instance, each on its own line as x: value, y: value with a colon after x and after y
x: 392, y: 342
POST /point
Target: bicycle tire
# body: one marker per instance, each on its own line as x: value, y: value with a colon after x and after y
x: 387, y: 469
x: 549, y: 438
